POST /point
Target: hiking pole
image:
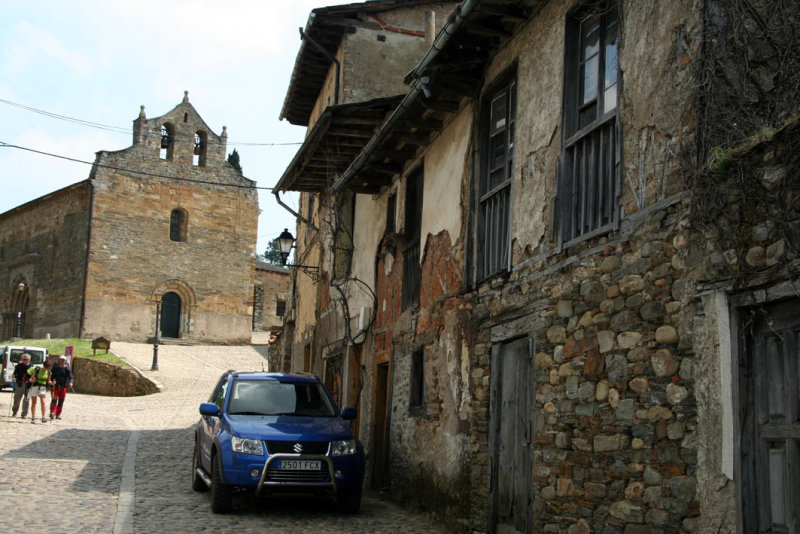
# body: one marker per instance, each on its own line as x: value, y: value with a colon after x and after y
x: 11, y: 404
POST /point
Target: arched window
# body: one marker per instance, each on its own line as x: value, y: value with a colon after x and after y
x: 167, y: 140
x: 200, y: 144
x: 178, y: 223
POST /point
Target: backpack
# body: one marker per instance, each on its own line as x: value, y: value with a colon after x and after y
x: 34, y: 378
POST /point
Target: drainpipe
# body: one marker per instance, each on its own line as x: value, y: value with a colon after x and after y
x: 305, y: 36
x: 290, y: 210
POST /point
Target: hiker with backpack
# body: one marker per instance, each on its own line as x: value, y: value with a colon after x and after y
x: 62, y: 378
x: 40, y: 379
x: 21, y: 385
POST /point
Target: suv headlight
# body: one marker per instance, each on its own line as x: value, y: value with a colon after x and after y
x: 247, y: 445
x: 343, y: 448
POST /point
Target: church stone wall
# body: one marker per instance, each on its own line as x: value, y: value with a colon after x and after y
x: 133, y: 255
x: 43, y: 245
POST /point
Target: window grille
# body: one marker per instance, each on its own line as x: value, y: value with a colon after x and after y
x: 494, y: 210
x: 588, y: 188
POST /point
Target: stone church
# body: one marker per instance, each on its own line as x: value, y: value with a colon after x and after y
x: 166, y: 223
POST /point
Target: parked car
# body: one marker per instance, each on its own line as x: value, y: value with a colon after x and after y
x: 276, y: 432
x: 10, y: 356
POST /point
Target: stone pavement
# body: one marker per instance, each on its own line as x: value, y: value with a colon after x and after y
x: 122, y: 464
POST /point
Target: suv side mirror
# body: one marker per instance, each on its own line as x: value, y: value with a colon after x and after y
x: 209, y: 408
x: 349, y: 413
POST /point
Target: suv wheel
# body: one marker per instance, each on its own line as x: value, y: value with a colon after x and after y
x: 197, y: 482
x: 349, y: 501
x: 221, y: 493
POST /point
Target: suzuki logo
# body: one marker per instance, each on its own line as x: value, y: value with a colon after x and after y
x: 298, y: 448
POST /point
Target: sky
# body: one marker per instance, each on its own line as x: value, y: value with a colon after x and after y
x: 66, y: 64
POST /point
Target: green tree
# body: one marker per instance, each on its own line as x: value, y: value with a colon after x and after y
x: 233, y: 159
x: 273, y: 253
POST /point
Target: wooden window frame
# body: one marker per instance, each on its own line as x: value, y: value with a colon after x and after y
x: 495, y: 195
x: 589, y: 184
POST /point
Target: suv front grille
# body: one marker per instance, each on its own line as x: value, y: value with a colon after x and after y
x: 296, y: 476
x: 288, y: 447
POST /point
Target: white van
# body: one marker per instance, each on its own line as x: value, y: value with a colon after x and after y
x: 10, y: 358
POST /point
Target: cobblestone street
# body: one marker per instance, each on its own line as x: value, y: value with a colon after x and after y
x: 122, y: 465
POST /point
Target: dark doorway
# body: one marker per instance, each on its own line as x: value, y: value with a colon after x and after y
x: 170, y: 315
x: 380, y: 478
x: 511, y: 437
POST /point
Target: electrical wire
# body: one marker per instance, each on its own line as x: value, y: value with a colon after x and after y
x: 121, y: 130
x: 132, y: 171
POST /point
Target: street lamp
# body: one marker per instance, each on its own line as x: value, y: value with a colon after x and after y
x: 285, y: 244
x: 155, y: 339
x: 21, y: 288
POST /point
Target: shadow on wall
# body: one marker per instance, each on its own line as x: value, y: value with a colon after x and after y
x: 101, y: 378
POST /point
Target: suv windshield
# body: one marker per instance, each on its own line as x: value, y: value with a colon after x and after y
x: 271, y: 397
x: 37, y: 356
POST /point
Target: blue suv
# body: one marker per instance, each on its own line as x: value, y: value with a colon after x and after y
x: 275, y: 432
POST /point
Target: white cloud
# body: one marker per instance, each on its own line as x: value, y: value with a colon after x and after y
x: 31, y: 46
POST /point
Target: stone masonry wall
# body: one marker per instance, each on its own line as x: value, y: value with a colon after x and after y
x: 274, y: 282
x: 43, y: 244
x: 614, y: 416
x: 132, y: 254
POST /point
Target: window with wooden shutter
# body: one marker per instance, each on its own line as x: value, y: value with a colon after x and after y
x: 588, y: 184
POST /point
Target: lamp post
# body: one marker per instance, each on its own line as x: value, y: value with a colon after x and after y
x: 21, y: 288
x: 155, y: 339
x: 285, y: 242
x: 285, y: 245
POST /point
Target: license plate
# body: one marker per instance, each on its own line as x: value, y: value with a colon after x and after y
x: 301, y: 465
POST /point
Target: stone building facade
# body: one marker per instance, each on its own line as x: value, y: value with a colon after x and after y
x: 270, y: 296
x: 565, y: 267
x: 167, y: 218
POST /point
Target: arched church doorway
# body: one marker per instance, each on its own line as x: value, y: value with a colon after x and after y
x: 170, y: 315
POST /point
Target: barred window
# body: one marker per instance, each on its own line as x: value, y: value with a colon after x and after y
x: 588, y: 187
x: 494, y: 203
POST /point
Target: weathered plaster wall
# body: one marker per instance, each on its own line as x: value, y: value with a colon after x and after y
x: 446, y: 162
x: 375, y: 61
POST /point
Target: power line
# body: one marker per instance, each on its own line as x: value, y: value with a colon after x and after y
x: 132, y: 171
x: 119, y: 129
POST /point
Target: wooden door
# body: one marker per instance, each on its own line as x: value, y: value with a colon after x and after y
x: 511, y: 437
x: 380, y: 477
x: 770, y: 415
x: 170, y: 315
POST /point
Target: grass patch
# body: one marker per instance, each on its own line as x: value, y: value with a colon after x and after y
x: 80, y: 347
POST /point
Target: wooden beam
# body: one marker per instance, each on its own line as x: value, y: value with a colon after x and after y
x: 423, y: 124
x: 503, y: 11
x: 489, y: 31
x: 445, y: 106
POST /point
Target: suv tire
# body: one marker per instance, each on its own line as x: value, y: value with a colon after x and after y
x: 197, y: 482
x: 221, y: 493
x: 349, y: 501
